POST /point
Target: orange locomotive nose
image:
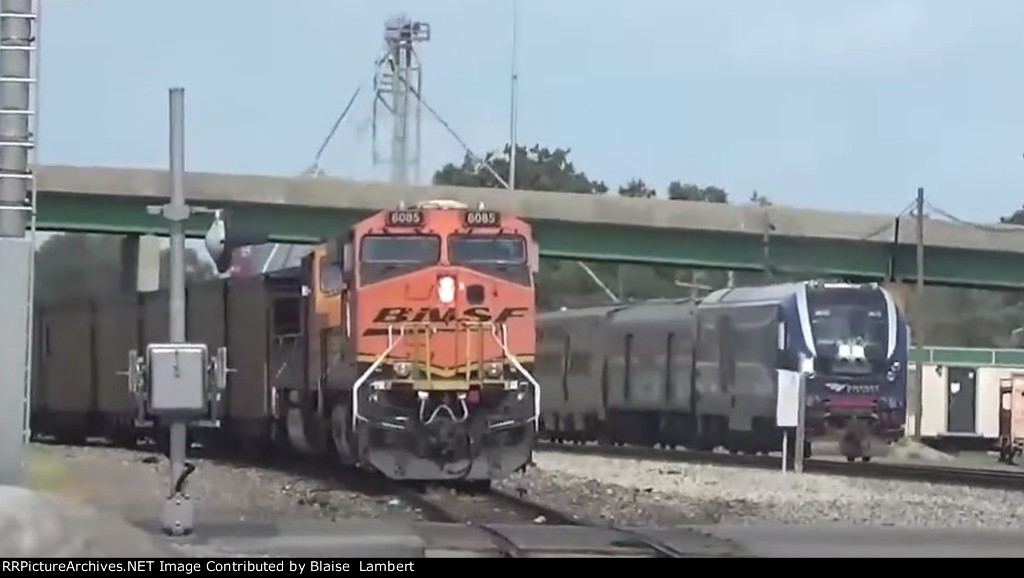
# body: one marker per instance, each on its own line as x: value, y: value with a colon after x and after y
x: 443, y: 300
x: 456, y: 334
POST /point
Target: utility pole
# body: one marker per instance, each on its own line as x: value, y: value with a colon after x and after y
x: 513, y: 130
x: 918, y: 324
x: 766, y: 242
x: 514, y: 99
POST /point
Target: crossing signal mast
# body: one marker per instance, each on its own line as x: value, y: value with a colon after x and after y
x: 397, y: 86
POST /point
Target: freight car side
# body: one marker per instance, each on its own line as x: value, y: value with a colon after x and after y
x: 63, y: 393
x: 570, y: 365
x: 618, y: 374
x: 79, y: 389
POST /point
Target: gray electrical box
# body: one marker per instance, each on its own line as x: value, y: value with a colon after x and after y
x: 178, y: 374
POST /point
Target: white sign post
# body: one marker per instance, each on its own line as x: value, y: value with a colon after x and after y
x: 787, y: 409
x: 801, y: 424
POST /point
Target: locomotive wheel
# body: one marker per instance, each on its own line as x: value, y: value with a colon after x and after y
x: 866, y: 459
x: 341, y: 433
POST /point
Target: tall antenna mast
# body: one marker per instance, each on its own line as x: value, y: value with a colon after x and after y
x: 398, y: 74
x: 513, y: 100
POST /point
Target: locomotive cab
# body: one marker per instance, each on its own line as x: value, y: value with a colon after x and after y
x: 858, y: 342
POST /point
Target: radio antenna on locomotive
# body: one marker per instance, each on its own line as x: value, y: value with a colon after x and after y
x: 397, y: 84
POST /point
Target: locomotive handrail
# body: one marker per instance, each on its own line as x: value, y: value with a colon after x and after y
x: 503, y: 343
x: 468, y: 329
x: 392, y: 342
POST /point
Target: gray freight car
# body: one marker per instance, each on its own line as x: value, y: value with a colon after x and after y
x: 618, y: 374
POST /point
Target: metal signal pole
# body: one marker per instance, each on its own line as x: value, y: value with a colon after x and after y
x: 513, y: 99
x: 915, y: 402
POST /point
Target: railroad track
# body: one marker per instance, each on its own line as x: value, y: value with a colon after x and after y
x: 488, y: 509
x: 484, y: 508
x: 451, y: 504
x: 974, y: 477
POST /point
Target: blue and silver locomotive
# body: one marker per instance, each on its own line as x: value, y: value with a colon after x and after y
x: 852, y: 344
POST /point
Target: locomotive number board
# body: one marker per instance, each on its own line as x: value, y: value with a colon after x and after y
x: 482, y: 219
x: 404, y: 219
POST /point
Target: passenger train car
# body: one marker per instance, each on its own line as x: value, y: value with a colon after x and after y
x: 404, y: 346
x: 704, y: 373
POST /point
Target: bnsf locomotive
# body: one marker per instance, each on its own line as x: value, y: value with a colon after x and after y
x: 405, y: 346
x: 704, y: 373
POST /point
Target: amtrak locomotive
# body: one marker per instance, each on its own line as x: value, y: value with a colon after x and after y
x: 704, y: 373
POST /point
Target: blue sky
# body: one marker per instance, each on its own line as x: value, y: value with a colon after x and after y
x: 849, y: 105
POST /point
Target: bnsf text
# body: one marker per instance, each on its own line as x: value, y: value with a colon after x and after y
x: 436, y: 315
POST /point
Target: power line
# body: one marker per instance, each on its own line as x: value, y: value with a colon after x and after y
x: 315, y: 169
x: 890, y: 225
x: 476, y: 158
x: 1006, y: 228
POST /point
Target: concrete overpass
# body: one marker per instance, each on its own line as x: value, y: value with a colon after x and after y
x: 586, y: 227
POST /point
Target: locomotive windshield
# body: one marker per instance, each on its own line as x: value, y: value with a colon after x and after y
x: 849, y: 323
x: 493, y: 249
x: 400, y: 249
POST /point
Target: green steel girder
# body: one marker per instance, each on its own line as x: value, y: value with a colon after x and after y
x: 567, y: 240
x: 967, y: 356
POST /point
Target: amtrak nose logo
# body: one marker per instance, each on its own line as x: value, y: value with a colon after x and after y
x: 446, y: 289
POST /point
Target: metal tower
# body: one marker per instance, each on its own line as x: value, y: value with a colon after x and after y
x: 397, y: 83
x: 18, y: 95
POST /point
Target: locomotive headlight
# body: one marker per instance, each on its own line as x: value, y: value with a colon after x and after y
x: 896, y: 366
x: 492, y: 370
x: 402, y: 368
x: 807, y: 365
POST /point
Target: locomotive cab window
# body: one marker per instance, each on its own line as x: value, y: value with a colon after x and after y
x: 332, y: 277
x: 854, y: 315
x: 400, y: 249
x: 491, y: 249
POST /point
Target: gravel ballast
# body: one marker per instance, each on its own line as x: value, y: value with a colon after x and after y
x: 647, y: 492
x: 601, y: 489
x: 135, y: 483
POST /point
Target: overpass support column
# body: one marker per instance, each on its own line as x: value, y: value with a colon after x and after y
x: 140, y: 263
